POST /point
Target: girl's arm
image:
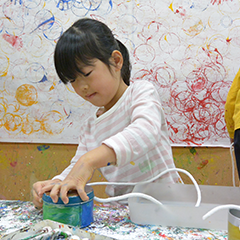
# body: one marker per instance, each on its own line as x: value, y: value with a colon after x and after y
x: 147, y: 128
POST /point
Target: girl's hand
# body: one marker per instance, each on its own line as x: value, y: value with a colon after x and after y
x: 39, y: 188
x: 82, y: 172
x: 76, y: 179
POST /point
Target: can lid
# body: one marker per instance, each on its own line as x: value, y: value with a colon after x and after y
x: 73, y: 197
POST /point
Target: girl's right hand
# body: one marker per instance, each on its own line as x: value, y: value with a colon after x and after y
x: 38, y: 191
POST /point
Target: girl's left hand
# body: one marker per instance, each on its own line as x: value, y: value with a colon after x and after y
x: 76, y: 179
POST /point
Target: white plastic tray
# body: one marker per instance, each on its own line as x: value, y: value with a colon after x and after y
x: 178, y: 207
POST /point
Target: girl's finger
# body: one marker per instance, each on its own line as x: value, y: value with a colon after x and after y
x: 37, y: 187
x: 37, y: 201
x: 82, y: 194
x: 48, y: 188
x: 64, y: 191
x: 55, y: 191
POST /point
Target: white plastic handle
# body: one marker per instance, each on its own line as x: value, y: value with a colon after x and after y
x: 147, y: 181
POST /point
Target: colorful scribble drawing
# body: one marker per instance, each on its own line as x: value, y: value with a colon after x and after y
x: 82, y: 8
x: 218, y: 1
x: 190, y: 50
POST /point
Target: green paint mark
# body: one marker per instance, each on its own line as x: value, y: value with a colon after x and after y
x: 146, y: 166
x: 193, y: 151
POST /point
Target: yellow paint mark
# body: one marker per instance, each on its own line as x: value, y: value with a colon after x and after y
x: 170, y: 7
x: 52, y: 117
x: 26, y: 95
x: 195, y: 29
x: 133, y: 163
x: 211, y: 160
x: 4, y: 163
x: 3, y: 111
x: 70, y: 89
x: 165, y: 38
x: 30, y: 125
x: 53, y: 86
x: 4, y: 66
x: 12, y: 122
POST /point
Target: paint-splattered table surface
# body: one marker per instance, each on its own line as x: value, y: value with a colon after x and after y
x: 109, y: 220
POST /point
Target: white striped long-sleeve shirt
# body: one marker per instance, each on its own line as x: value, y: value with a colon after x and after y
x: 135, y: 128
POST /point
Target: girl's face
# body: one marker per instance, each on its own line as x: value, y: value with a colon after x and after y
x: 99, y: 85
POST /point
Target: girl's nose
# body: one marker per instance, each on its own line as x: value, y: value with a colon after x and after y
x: 84, y: 87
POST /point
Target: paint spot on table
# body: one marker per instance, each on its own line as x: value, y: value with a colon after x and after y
x: 43, y: 147
x: 13, y: 164
x: 202, y: 164
x: 133, y: 163
x: 193, y: 151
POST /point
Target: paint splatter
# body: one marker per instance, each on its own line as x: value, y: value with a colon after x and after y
x: 171, y: 6
x: 202, y: 164
x: 181, y: 11
x: 15, y: 41
x: 133, y: 163
x: 15, y: 215
x: 193, y: 151
x: 12, y: 122
x: 43, y: 147
x: 26, y: 95
x: 218, y: 2
x: 13, y: 164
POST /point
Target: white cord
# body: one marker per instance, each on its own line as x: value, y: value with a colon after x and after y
x: 227, y: 206
x: 129, y: 195
x: 147, y: 181
x: 233, y: 168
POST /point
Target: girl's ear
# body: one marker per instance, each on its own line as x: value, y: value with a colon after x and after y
x: 117, y: 59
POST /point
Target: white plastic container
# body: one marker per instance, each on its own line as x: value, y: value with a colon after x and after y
x: 178, y: 207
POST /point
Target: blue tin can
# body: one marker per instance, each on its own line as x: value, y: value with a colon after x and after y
x: 76, y: 213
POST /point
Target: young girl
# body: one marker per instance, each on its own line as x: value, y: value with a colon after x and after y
x: 127, y: 137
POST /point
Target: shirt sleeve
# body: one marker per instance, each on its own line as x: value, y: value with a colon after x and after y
x: 230, y: 104
x: 144, y: 131
x: 81, y: 150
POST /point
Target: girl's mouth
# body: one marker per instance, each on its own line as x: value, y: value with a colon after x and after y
x: 89, y: 96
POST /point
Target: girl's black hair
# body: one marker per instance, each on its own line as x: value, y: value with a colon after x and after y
x: 85, y: 40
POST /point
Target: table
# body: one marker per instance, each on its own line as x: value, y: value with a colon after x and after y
x: 109, y: 220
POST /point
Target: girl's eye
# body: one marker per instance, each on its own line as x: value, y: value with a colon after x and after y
x: 87, y: 74
x: 72, y: 80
